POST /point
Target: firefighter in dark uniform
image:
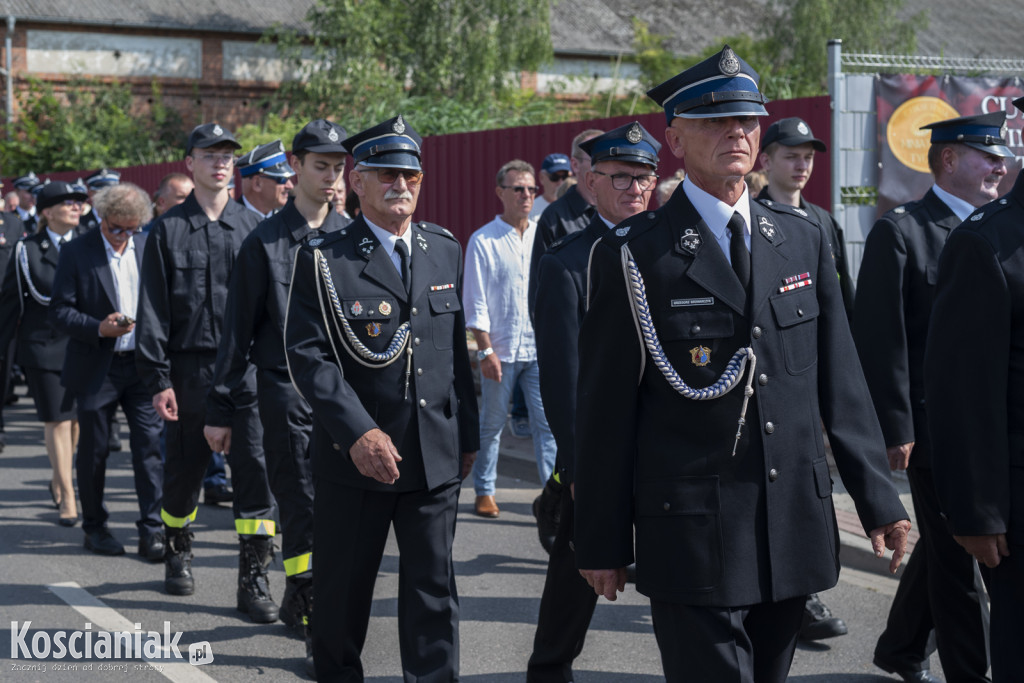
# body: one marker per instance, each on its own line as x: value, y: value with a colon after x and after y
x: 267, y: 179
x: 187, y: 264
x: 93, y: 184
x: 707, y: 367
x: 976, y: 336
x: 622, y: 178
x: 11, y: 230
x: 376, y: 343
x: 254, y: 333
x: 24, y: 185
x: 939, y: 591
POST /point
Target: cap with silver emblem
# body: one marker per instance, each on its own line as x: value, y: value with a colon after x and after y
x: 320, y: 136
x: 391, y: 144
x: 984, y: 132
x: 630, y: 143
x: 208, y: 135
x: 791, y: 132
x: 102, y: 178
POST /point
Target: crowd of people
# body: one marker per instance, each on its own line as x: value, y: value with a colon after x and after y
x: 677, y: 367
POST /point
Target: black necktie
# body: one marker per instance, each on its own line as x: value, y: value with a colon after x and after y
x: 738, y: 252
x: 403, y: 255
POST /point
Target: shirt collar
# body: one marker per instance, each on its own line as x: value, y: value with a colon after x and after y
x: 247, y: 204
x: 607, y: 222
x: 55, y: 238
x: 714, y: 211
x: 388, y: 239
x: 961, y: 208
x: 111, y: 253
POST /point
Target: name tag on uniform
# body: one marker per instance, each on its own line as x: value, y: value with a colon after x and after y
x: 684, y: 303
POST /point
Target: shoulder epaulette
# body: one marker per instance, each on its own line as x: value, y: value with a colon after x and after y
x: 629, y: 229
x: 985, y: 212
x: 320, y: 241
x: 564, y: 240
x: 436, y: 229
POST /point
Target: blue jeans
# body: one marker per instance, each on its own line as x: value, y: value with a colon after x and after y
x: 493, y: 415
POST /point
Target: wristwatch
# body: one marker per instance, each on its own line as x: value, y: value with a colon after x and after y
x: 484, y: 353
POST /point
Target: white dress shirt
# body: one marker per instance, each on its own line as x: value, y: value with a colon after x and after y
x: 495, y: 290
x: 55, y: 239
x: 716, y: 214
x: 961, y: 208
x: 388, y: 239
x: 126, y: 284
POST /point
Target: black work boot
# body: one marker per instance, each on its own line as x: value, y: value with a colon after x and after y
x: 178, y: 562
x: 547, y: 511
x: 254, y: 556
x: 297, y: 603
x: 818, y: 622
x: 307, y: 633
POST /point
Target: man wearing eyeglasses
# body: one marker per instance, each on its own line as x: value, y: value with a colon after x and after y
x: 254, y: 333
x: 266, y: 179
x: 187, y: 263
x: 376, y: 344
x: 95, y: 295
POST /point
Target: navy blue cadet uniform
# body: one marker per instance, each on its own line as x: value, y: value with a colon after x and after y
x: 568, y: 602
x: 423, y: 399
x: 187, y: 264
x: 939, y: 591
x: 11, y: 230
x: 727, y: 545
x: 254, y: 333
x: 973, y: 374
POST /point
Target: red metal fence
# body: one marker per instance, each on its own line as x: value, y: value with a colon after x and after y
x: 458, y: 190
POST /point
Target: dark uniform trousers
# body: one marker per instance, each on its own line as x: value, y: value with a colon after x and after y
x: 940, y: 590
x: 187, y: 263
x: 973, y: 377
x: 727, y: 546
x: 567, y: 603
x: 429, y: 413
x: 11, y: 230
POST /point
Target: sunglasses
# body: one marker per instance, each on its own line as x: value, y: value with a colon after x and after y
x: 72, y: 202
x: 388, y: 176
x: 558, y: 177
x: 119, y: 230
x: 520, y: 189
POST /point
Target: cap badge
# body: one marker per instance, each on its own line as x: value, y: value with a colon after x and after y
x: 333, y: 135
x: 1003, y: 130
x: 384, y: 308
x: 729, y: 64
x: 766, y: 228
x: 803, y: 129
x: 357, y: 309
x: 218, y: 131
x: 700, y: 355
x: 690, y: 241
x: 622, y: 232
x: 634, y: 135
x: 373, y: 329
x: 399, y: 125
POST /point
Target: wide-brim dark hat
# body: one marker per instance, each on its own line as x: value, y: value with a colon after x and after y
x: 55, y: 192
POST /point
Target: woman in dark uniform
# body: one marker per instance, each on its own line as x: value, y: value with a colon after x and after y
x: 24, y: 300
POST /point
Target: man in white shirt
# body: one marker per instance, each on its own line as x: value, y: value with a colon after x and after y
x: 497, y: 280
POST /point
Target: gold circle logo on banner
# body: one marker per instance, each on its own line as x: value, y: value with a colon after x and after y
x: 907, y: 141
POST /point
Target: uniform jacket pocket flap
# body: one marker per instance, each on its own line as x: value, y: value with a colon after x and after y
x: 796, y: 307
x: 822, y: 478
x: 444, y: 302
x: 679, y: 496
x: 696, y: 324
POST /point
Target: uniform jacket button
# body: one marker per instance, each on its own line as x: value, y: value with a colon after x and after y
x: 756, y: 332
x: 695, y: 329
x: 762, y: 379
x: 800, y: 312
x: 337, y: 447
x: 773, y: 474
x: 667, y: 507
x: 423, y: 403
x: 769, y: 427
x: 416, y: 341
x: 419, y: 372
x: 414, y: 311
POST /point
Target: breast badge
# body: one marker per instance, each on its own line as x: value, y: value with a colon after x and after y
x: 373, y: 329
x: 700, y: 355
x: 357, y: 309
x: 385, y: 309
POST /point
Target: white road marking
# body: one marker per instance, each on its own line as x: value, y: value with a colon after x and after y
x: 108, y: 619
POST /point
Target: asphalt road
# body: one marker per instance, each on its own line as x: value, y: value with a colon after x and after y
x: 48, y: 578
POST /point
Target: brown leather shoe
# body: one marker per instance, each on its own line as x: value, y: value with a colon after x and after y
x: 486, y: 507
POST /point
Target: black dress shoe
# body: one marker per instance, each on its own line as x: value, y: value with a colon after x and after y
x: 152, y: 547
x: 908, y: 675
x: 818, y: 622
x: 68, y: 521
x: 102, y: 542
x: 221, y: 493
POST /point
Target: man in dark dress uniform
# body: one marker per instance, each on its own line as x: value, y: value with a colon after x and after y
x: 254, y: 333
x: 11, y: 230
x: 25, y: 185
x: 939, y: 590
x: 733, y: 528
x: 376, y: 343
x: 622, y: 179
x: 93, y: 184
x: 973, y: 375
x: 186, y: 267
x: 267, y: 179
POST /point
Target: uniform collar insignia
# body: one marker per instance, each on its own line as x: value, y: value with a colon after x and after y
x: 422, y: 242
x: 899, y: 209
x: 44, y: 245
x: 623, y: 231
x: 690, y: 241
x: 978, y: 216
x: 798, y: 210
x: 766, y: 228
x: 366, y: 246
x: 316, y: 241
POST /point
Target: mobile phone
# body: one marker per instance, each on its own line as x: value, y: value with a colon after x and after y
x: 124, y: 321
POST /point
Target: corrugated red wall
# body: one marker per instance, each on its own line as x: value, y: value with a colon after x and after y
x: 458, y: 190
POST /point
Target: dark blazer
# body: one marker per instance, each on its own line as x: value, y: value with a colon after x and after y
x: 974, y: 371
x: 11, y: 230
x: 83, y: 296
x: 39, y: 345
x: 712, y: 528
x: 568, y: 214
x: 895, y: 293
x: 562, y: 283
x: 438, y: 421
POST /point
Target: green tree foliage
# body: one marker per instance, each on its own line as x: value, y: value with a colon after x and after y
x: 89, y: 125
x: 365, y: 59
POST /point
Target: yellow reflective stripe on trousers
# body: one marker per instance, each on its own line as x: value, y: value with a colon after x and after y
x: 255, y: 527
x: 177, y: 522
x: 298, y: 564
x: 557, y: 478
